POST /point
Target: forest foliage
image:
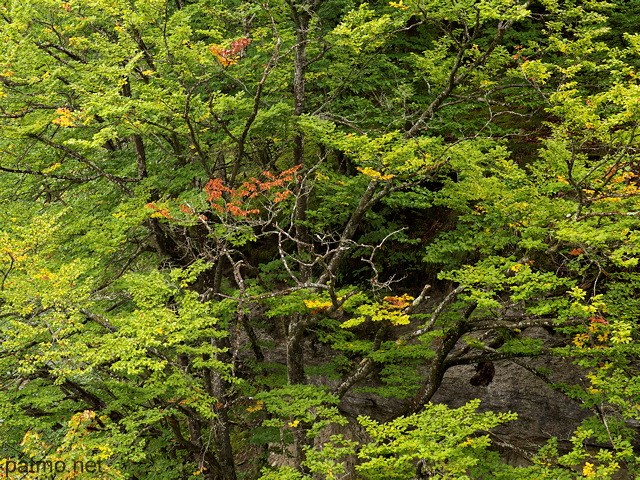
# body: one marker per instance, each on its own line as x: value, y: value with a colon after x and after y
x: 221, y: 217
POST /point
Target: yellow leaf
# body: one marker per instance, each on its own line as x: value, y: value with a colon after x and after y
x: 65, y: 119
x: 587, y: 470
x: 258, y: 406
x: 399, y: 5
x: 51, y: 168
x: 317, y: 304
x: 370, y: 172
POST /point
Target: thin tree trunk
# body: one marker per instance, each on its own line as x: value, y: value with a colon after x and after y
x: 301, y: 19
x: 301, y: 14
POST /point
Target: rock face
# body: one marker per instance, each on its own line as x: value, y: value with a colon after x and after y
x: 504, y: 386
x: 542, y: 412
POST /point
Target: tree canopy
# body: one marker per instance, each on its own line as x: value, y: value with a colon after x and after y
x: 220, y: 217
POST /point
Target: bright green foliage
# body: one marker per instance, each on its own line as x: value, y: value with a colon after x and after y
x: 305, y: 404
x: 441, y: 440
x: 208, y: 208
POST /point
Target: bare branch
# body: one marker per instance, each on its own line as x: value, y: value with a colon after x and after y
x: 50, y: 175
